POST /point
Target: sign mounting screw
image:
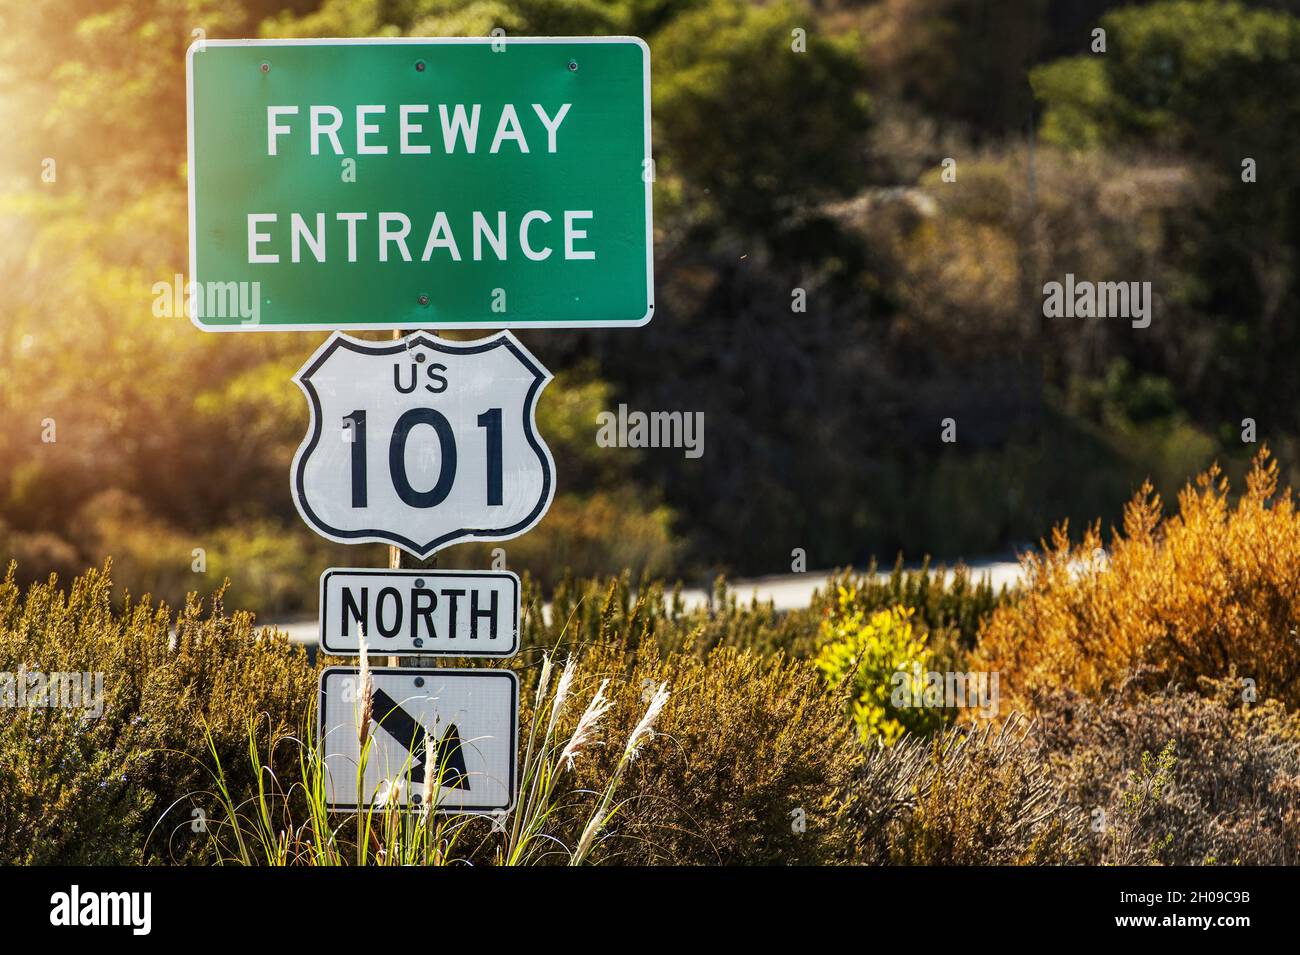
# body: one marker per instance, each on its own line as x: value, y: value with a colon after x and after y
x: 423, y: 299
x: 266, y: 67
x: 573, y: 66
x: 419, y: 681
x: 419, y: 66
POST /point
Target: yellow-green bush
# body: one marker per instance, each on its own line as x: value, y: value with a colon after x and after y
x: 869, y: 657
x: 1215, y: 586
x: 949, y: 602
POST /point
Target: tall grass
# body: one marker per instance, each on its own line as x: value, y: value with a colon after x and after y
x: 294, y: 825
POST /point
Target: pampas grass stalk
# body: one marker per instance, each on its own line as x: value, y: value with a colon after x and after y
x: 365, y: 712
x: 605, y: 809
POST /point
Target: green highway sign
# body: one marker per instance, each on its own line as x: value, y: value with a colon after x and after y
x: 420, y: 183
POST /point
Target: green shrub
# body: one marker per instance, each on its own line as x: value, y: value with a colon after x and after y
x: 613, y: 608
x: 744, y: 742
x: 876, y: 659
x: 1140, y: 801
x: 950, y: 601
x: 751, y: 758
x: 81, y: 789
x: 950, y: 606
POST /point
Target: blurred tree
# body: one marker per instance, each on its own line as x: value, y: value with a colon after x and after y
x: 798, y: 149
x: 1217, y: 82
x: 961, y: 60
x: 167, y: 439
x: 756, y: 131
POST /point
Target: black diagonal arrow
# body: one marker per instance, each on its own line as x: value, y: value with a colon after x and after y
x: 408, y: 731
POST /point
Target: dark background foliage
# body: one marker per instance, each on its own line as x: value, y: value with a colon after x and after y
x: 776, y: 171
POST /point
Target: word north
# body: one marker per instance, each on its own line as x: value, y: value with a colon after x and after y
x: 657, y: 429
x: 457, y: 613
x: 1073, y: 299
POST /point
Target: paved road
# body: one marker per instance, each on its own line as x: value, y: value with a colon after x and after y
x: 785, y: 591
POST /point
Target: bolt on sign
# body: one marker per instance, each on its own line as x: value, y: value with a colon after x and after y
x: 443, y: 735
x: 422, y: 442
x: 462, y: 613
x: 430, y: 183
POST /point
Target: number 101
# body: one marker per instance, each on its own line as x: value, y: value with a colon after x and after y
x: 489, y: 421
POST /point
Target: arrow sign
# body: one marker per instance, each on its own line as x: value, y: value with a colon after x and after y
x: 404, y: 728
x: 463, y: 723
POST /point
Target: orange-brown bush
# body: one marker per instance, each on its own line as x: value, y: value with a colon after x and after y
x: 1212, y: 588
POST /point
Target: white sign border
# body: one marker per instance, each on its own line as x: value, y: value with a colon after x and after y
x: 647, y: 163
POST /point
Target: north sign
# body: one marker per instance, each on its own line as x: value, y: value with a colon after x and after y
x: 460, y: 613
x: 420, y: 183
x: 422, y: 442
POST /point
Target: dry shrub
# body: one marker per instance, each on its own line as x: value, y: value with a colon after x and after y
x: 948, y: 604
x: 749, y: 758
x: 1231, y: 794
x: 80, y: 788
x: 606, y: 609
x: 1212, y: 588
x: 969, y: 796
